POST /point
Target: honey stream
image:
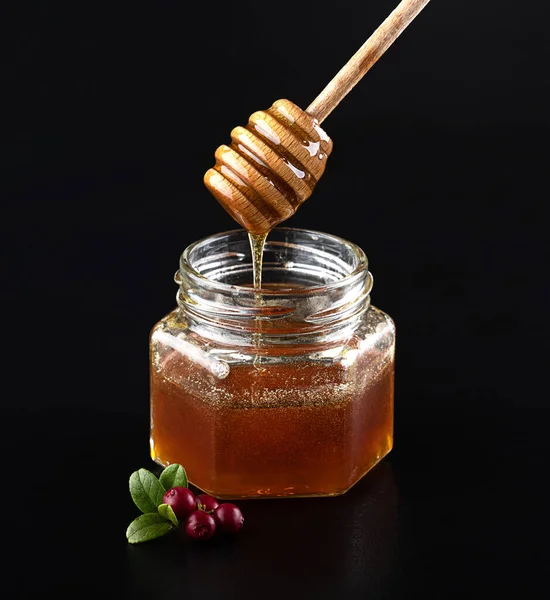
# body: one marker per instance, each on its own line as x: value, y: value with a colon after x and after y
x: 257, y: 243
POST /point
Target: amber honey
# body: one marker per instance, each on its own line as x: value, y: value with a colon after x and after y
x: 287, y: 430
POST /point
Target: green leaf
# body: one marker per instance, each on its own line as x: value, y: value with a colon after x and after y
x: 173, y: 476
x: 147, y: 527
x: 166, y: 511
x: 146, y: 491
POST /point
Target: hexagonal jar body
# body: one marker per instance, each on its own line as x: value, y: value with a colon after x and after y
x: 282, y: 391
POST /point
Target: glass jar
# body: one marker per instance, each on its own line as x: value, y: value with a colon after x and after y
x: 282, y: 391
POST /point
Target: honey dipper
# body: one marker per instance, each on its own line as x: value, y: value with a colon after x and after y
x: 272, y: 165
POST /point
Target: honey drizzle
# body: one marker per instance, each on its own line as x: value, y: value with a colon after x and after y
x: 257, y: 243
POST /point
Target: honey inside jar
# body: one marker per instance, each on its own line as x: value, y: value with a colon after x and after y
x: 289, y: 397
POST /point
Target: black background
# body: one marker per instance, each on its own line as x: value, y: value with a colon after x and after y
x: 439, y: 172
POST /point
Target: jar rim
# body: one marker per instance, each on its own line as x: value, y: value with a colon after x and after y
x: 358, y: 271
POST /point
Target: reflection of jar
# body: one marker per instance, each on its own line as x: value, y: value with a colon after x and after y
x: 287, y: 391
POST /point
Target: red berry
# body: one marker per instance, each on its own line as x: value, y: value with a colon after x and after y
x: 200, y: 525
x: 181, y: 499
x: 207, y: 502
x: 229, y: 518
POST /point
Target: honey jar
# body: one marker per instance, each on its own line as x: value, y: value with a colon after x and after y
x: 283, y: 390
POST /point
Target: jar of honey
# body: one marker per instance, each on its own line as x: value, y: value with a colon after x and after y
x: 283, y: 390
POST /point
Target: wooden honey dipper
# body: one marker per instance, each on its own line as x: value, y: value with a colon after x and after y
x: 273, y: 164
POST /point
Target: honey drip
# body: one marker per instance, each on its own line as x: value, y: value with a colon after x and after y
x: 257, y: 242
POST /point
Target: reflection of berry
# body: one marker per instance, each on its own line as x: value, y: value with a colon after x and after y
x: 207, y: 502
x: 181, y: 499
x: 229, y: 518
x: 200, y: 525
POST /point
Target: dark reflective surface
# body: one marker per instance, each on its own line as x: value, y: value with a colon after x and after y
x: 301, y: 546
x: 464, y: 520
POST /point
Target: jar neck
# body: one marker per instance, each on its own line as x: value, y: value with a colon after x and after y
x: 315, y: 288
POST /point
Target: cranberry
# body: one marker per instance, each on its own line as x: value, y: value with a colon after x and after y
x: 229, y: 518
x: 207, y: 503
x: 200, y: 525
x: 181, y: 499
